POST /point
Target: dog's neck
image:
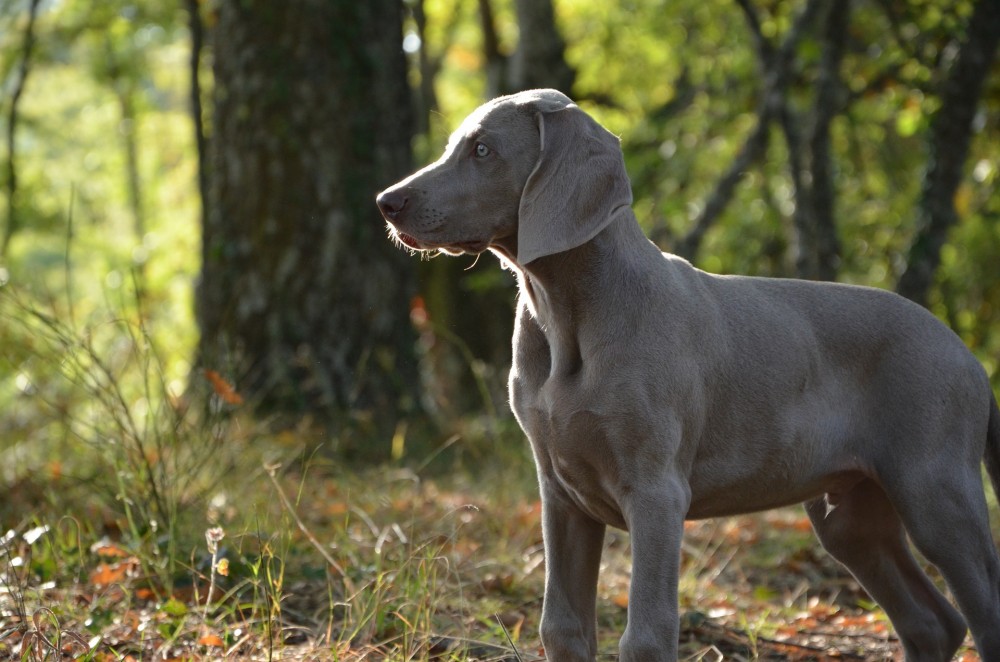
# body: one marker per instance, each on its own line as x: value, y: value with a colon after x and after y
x: 567, y: 291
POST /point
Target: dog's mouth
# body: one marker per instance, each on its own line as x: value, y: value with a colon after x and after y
x: 452, y: 248
x: 410, y: 241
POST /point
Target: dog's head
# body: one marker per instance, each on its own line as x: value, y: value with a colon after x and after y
x: 528, y: 172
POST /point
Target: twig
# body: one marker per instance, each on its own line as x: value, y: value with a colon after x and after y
x: 271, y: 470
x: 509, y: 640
x: 197, y: 30
x: 22, y: 79
x: 710, y: 629
x: 67, y: 263
x: 950, y: 134
x: 212, y: 538
x: 774, y: 64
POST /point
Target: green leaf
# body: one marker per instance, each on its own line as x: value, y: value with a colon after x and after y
x: 175, y: 608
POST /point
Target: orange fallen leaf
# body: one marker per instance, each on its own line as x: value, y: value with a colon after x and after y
x: 223, y: 388
x: 145, y: 594
x: 108, y: 549
x: 798, y: 524
x: 530, y: 514
x: 106, y: 574
x: 336, y: 508
x: 211, y: 639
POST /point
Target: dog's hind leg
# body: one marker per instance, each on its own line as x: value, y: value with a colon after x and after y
x: 946, y: 516
x: 863, y: 532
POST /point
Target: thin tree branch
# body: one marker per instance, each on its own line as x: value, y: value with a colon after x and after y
x: 819, y: 247
x: 764, y: 48
x: 752, y: 150
x: 950, y: 136
x: 12, y: 117
x: 197, y: 28
x: 797, y: 169
x: 774, y: 64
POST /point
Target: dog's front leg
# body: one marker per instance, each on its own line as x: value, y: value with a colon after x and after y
x: 656, y: 522
x: 573, y: 545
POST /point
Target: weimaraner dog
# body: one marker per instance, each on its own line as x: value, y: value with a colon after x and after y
x: 653, y: 392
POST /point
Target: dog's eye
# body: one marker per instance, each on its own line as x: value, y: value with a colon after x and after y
x: 482, y: 150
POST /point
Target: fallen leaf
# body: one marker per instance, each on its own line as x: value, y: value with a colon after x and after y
x: 211, y: 639
x: 530, y: 514
x: 500, y: 583
x: 108, y: 549
x: 223, y: 388
x: 336, y: 508
x: 106, y: 574
x: 145, y: 594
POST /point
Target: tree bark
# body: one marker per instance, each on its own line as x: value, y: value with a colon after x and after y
x: 539, y: 60
x: 428, y: 67
x: 818, y: 245
x: 829, y: 102
x: 950, y: 135
x: 302, y: 299
x: 495, y: 62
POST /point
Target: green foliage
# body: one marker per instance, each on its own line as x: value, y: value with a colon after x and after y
x: 100, y: 417
x: 73, y: 184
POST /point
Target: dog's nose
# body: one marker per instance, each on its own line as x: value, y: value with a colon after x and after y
x: 391, y: 202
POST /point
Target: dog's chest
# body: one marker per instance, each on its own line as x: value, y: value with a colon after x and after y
x: 577, y: 437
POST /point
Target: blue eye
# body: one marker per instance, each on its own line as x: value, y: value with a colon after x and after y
x: 482, y: 150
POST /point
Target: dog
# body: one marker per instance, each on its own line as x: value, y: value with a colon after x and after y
x: 653, y: 392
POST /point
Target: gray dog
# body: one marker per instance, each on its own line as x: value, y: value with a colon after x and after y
x: 653, y: 392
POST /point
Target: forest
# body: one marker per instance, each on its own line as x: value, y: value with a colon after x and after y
x: 237, y: 421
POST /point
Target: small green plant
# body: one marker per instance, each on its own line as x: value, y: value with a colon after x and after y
x: 151, y: 455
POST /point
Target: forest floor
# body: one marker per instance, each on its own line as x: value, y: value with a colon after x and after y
x: 315, y: 561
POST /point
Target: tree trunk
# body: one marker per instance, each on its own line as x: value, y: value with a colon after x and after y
x: 539, y: 60
x: 302, y: 299
x: 818, y: 245
x: 950, y: 135
x: 495, y: 63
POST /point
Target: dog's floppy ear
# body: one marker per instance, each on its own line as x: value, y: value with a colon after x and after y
x: 577, y: 184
